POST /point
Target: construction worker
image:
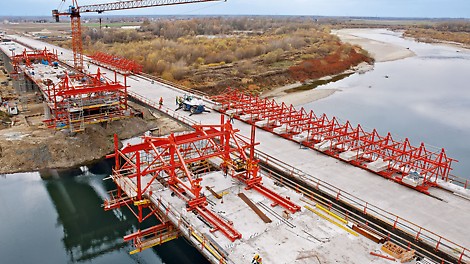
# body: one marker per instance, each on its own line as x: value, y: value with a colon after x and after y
x: 161, y: 101
x: 231, y: 117
x: 255, y: 259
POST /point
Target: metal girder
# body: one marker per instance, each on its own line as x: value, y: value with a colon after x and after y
x: 27, y: 56
x: 92, y: 97
x: 167, y: 159
x: 116, y: 62
x: 122, y: 5
x: 332, y: 137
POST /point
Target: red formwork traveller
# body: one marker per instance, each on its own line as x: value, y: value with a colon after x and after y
x: 415, y: 167
x: 117, y: 63
x: 84, y: 99
x: 167, y: 159
x: 28, y: 57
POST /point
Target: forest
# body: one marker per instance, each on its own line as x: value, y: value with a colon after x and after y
x: 455, y: 31
x: 213, y: 53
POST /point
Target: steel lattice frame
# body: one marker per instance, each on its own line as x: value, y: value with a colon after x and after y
x: 119, y: 63
x: 99, y: 98
x: 27, y: 57
x: 334, y: 138
x: 167, y: 159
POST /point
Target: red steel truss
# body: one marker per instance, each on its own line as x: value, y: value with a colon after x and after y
x: 117, y: 63
x: 28, y: 57
x: 417, y: 167
x: 167, y: 160
x: 84, y: 99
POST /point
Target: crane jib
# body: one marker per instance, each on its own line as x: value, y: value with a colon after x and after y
x: 100, y: 8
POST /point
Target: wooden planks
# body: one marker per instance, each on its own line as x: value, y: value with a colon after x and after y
x: 254, y: 208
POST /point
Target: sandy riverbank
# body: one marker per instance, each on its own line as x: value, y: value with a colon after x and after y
x: 381, y: 51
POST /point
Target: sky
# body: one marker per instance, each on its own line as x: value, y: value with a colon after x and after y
x: 369, y: 8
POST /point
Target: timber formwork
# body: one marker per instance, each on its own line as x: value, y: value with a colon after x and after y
x: 418, y: 167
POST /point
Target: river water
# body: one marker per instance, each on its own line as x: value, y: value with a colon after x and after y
x: 59, y: 219
x: 425, y: 98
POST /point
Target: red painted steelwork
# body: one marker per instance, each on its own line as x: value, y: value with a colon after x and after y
x: 396, y: 160
x: 116, y: 62
x: 167, y: 159
x: 90, y: 98
x: 27, y: 57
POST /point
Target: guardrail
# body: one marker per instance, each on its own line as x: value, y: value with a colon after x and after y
x: 163, y: 109
x: 212, y: 251
x: 418, y: 232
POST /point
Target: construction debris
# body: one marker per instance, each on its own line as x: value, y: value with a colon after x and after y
x: 398, y: 252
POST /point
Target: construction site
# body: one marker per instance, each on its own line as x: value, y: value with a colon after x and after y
x: 250, y: 179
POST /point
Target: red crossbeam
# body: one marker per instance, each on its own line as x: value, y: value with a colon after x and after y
x: 335, y: 138
x: 276, y: 198
x: 117, y: 62
x: 219, y: 224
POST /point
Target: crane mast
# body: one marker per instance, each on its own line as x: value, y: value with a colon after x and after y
x: 74, y: 11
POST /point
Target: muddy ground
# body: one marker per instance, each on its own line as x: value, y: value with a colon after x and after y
x: 30, y: 146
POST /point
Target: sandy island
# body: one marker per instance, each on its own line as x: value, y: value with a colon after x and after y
x: 380, y: 51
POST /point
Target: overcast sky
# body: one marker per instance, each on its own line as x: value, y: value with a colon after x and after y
x: 372, y: 8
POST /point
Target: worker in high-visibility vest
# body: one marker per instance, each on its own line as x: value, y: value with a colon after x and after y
x: 161, y: 101
x: 255, y: 259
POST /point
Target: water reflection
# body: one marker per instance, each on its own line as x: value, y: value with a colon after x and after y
x: 56, y: 216
x: 424, y: 98
x: 88, y: 231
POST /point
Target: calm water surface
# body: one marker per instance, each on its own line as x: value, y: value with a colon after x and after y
x: 425, y: 98
x: 60, y: 220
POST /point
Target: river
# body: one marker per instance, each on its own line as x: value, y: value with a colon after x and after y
x: 425, y: 98
x: 56, y: 217
x: 59, y: 219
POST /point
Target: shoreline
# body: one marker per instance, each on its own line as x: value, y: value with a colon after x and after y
x: 380, y: 51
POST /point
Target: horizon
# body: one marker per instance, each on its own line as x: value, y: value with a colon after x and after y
x: 450, y: 9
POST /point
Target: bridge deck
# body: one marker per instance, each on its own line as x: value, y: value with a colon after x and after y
x: 448, y: 217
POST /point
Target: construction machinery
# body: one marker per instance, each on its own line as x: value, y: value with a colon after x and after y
x: 192, y: 104
x: 74, y: 10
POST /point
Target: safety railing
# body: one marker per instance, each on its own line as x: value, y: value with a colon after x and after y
x: 420, y: 233
x: 213, y: 251
x: 163, y: 109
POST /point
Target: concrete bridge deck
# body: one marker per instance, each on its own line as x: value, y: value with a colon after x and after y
x: 447, y: 216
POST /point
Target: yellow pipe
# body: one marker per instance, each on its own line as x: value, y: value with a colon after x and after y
x: 339, y: 218
x: 331, y: 221
x: 212, y: 251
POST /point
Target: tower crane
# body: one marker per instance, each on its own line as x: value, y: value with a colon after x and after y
x: 74, y: 11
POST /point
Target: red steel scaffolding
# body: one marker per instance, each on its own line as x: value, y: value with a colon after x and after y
x: 168, y: 160
x: 84, y: 99
x: 117, y: 63
x: 27, y: 58
x: 416, y: 167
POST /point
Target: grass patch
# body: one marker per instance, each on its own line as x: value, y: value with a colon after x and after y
x: 317, y: 83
